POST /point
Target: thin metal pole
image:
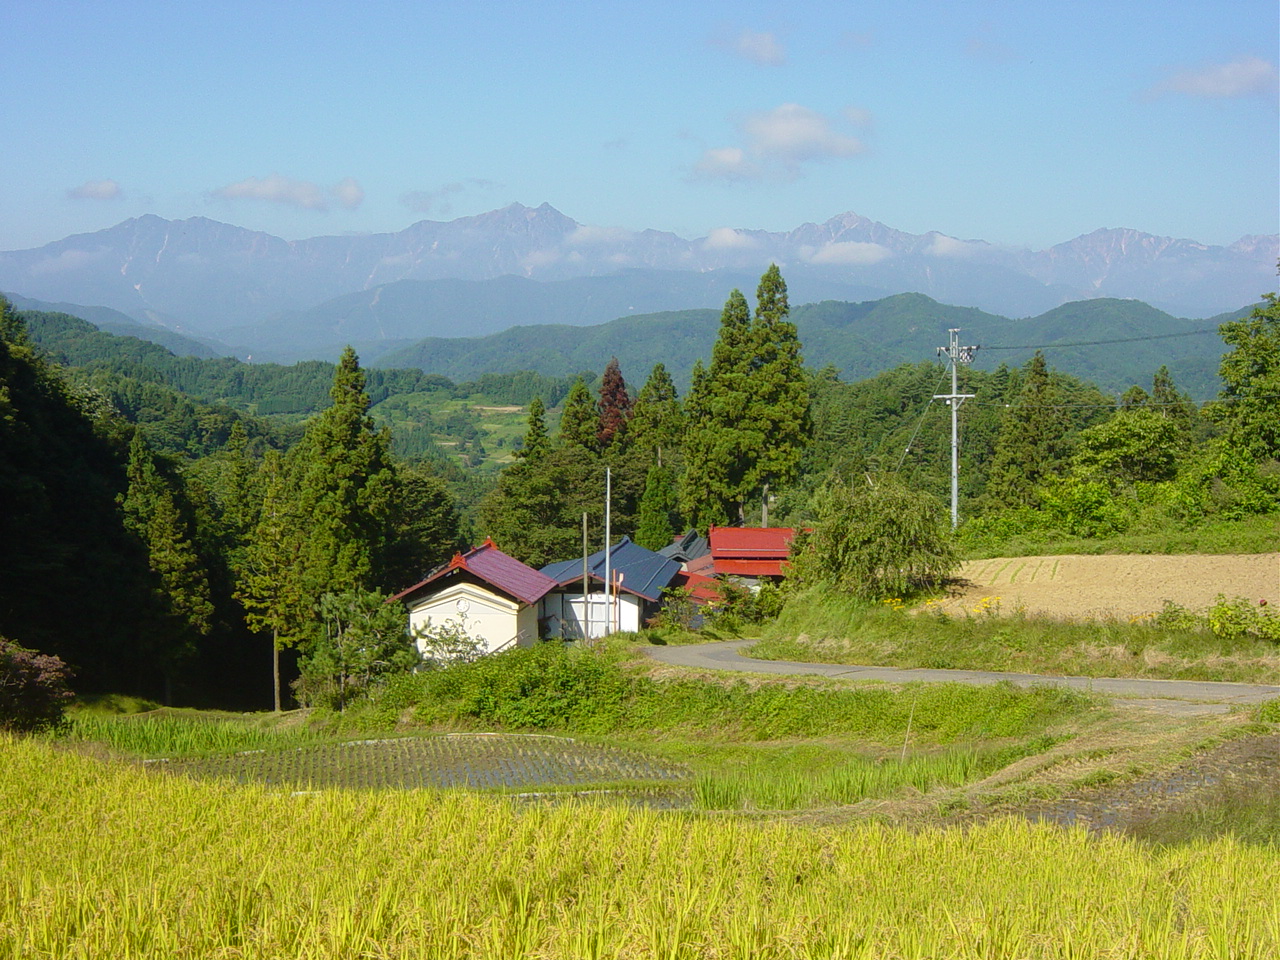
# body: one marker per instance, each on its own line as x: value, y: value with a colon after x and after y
x: 608, y: 555
x: 586, y: 582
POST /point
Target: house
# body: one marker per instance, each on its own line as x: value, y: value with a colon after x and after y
x: 639, y: 576
x: 750, y: 554
x: 492, y: 596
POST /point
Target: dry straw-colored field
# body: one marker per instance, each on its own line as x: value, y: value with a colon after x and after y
x: 1119, y: 586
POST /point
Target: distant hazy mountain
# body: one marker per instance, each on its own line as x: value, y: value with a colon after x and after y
x: 860, y: 339
x: 211, y: 278
x: 113, y: 321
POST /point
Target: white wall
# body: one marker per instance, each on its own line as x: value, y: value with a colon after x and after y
x: 489, y: 617
x: 570, y: 609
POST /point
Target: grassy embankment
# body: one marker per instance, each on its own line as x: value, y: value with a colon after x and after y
x: 735, y: 746
x: 1234, y: 643
x: 104, y: 860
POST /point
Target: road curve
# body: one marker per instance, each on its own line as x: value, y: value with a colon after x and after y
x: 1166, y: 696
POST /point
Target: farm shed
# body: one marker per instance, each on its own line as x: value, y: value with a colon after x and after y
x: 639, y: 576
x: 749, y: 554
x: 493, y: 596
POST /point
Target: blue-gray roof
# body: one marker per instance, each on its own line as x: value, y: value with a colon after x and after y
x: 643, y: 572
x: 686, y: 548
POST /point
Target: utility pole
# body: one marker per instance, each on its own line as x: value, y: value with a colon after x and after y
x: 608, y: 555
x: 957, y: 355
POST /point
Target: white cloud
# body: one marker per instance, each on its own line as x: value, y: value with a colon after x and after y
x: 762, y: 48
x: 95, y: 190
x: 426, y: 201
x: 851, y: 253
x: 727, y: 238
x: 1241, y: 77
x: 779, y: 142
x: 348, y: 193
x: 725, y: 163
x: 793, y: 134
x: 587, y: 236
x: 949, y: 248
x: 293, y: 193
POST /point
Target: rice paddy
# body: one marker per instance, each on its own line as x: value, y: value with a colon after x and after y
x: 109, y: 860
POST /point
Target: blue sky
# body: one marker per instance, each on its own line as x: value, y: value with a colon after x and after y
x: 1022, y: 123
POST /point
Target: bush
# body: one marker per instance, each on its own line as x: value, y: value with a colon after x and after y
x: 33, y: 688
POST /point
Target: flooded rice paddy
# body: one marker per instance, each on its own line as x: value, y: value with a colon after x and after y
x: 505, y: 762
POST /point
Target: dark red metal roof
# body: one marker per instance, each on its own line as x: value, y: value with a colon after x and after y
x: 489, y: 564
x: 750, y: 543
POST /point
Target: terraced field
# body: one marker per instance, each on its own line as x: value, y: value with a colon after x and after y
x: 1120, y: 586
x: 474, y: 761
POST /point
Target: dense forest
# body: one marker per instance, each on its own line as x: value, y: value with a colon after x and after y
x: 170, y: 523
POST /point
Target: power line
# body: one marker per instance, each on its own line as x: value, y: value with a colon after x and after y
x: 1098, y: 343
x: 1113, y: 404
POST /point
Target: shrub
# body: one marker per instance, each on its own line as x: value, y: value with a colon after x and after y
x: 33, y: 688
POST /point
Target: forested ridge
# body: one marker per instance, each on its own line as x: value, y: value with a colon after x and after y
x: 164, y: 533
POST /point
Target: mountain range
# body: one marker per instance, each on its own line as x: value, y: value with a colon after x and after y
x: 250, y: 293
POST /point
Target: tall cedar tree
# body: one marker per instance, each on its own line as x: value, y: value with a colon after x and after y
x: 183, y: 609
x: 536, y: 442
x: 657, y: 509
x: 656, y: 430
x: 614, y: 406
x: 713, y: 487
x: 1031, y: 446
x: 578, y: 419
x: 779, y: 388
x: 270, y: 585
x: 346, y: 489
x: 748, y: 424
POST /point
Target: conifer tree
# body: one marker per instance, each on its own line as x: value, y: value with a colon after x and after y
x: 779, y: 389
x: 578, y: 420
x: 536, y: 443
x: 270, y: 582
x: 750, y: 421
x: 1031, y: 445
x: 346, y: 489
x: 657, y: 509
x: 656, y: 429
x: 614, y: 406
x: 183, y: 607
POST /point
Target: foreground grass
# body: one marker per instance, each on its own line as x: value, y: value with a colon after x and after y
x: 831, y: 630
x: 100, y: 860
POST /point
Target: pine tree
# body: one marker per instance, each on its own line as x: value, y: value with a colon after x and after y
x: 614, y: 406
x: 536, y: 442
x: 578, y: 420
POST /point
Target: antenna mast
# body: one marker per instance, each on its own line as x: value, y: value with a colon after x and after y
x: 957, y: 355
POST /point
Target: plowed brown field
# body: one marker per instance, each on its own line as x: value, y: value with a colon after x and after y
x: 1116, y: 586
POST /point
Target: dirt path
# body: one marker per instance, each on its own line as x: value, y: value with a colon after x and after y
x: 1121, y: 586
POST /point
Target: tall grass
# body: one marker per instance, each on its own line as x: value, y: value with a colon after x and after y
x: 99, y: 861
x: 548, y: 687
x: 178, y: 736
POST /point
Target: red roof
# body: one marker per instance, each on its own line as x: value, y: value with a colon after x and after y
x: 702, y: 589
x: 490, y: 565
x: 749, y: 551
x: 751, y: 543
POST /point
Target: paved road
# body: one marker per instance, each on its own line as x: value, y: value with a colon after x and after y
x: 1166, y: 696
